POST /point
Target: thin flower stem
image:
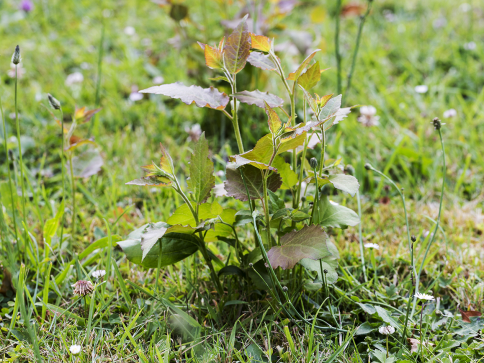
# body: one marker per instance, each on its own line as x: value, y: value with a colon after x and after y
x: 73, y: 187
x: 7, y: 161
x: 404, y: 335
x: 360, y: 232
x: 336, y: 46
x: 63, y: 179
x: 323, y: 151
x: 235, y: 120
x: 303, y: 157
x: 432, y: 237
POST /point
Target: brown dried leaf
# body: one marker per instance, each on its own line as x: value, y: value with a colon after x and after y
x: 415, y: 343
x: 237, y: 48
x: 202, y: 97
x: 466, y: 315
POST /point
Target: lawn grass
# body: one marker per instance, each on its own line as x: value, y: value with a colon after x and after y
x: 403, y: 45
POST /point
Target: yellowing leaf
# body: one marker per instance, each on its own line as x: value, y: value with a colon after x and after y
x: 311, y: 77
x: 202, y: 97
x: 289, y: 177
x: 166, y: 162
x: 273, y: 120
x: 237, y: 48
x: 295, y: 75
x: 213, y: 57
x: 260, y: 42
x: 318, y: 14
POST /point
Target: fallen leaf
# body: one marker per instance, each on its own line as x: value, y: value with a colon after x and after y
x: 466, y: 315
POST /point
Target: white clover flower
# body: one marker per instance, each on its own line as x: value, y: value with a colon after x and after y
x: 421, y: 296
x: 75, y: 349
x: 421, y: 89
x: 368, y: 116
x: 450, y: 113
x: 372, y: 245
x: 98, y: 274
x: 74, y: 78
x: 386, y: 330
x: 129, y: 30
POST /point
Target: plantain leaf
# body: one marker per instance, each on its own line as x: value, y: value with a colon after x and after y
x: 213, y: 56
x: 202, y: 97
x: 237, y: 48
x: 334, y: 215
x: 273, y: 119
x: 235, y: 187
x: 311, y: 77
x: 259, y: 98
x: 201, y: 179
x: 289, y: 177
x: 260, y: 42
x: 309, y: 242
x: 295, y: 75
x: 346, y: 183
x: 261, y: 61
x: 175, y: 247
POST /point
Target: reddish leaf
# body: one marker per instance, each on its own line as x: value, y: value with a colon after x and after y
x: 309, y: 242
x: 81, y: 115
x: 466, y: 315
x: 235, y: 187
x: 352, y: 9
x: 202, y: 97
x: 261, y: 61
x: 237, y: 48
x: 295, y: 75
x: 259, y: 98
x: 260, y: 42
x: 213, y: 56
x: 79, y: 143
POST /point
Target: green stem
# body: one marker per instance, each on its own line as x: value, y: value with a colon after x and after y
x: 266, y: 210
x: 362, y: 255
x: 63, y: 179
x: 20, y: 152
x: 432, y: 237
x: 235, y: 119
x: 323, y: 151
x: 303, y: 157
x: 336, y: 46
x: 73, y: 187
x: 404, y: 335
x: 357, y: 46
x: 7, y: 159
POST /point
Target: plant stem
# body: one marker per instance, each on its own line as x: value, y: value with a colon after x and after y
x: 235, y: 119
x: 432, y: 237
x: 20, y: 153
x: 63, y: 180
x: 7, y: 161
x: 73, y: 187
x: 303, y: 157
x: 99, y: 75
x: 360, y: 232
x: 323, y: 150
x: 357, y: 46
x: 266, y: 210
x: 404, y: 335
x: 336, y: 46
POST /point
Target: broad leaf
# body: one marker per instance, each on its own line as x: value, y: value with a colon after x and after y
x: 201, y: 179
x: 259, y: 98
x: 346, y: 183
x: 202, y: 97
x: 235, y: 187
x: 310, y: 100
x: 341, y: 114
x: 213, y: 56
x: 166, y: 162
x: 158, y: 181
x: 237, y: 48
x: 335, y: 215
x: 311, y: 77
x: 260, y: 42
x: 328, y: 263
x: 151, y: 235
x: 87, y: 163
x: 240, y: 161
x: 273, y: 119
x: 289, y: 177
x: 262, y: 61
x: 184, y: 216
x: 309, y: 242
x: 387, y: 318
x: 295, y: 75
x: 175, y: 247
x: 330, y: 109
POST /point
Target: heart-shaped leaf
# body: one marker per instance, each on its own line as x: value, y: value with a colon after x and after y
x: 201, y: 179
x: 309, y: 242
x: 262, y: 61
x: 260, y: 42
x: 237, y: 48
x: 202, y: 97
x: 334, y: 215
x: 311, y: 77
x: 259, y: 98
x: 235, y: 187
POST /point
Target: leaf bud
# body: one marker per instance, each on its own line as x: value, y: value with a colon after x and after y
x: 368, y: 166
x: 54, y: 103
x: 414, y: 239
x: 303, y: 199
x: 325, y: 271
x: 284, y: 288
x: 313, y: 162
x: 251, y: 264
x: 437, y: 123
x: 16, y: 55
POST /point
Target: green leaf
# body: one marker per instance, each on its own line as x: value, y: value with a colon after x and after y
x: 219, y: 78
x: 184, y: 216
x: 202, y: 179
x: 158, y: 181
x: 273, y: 119
x: 387, y: 318
x: 309, y: 242
x: 237, y: 48
x: 202, y: 97
x: 259, y: 98
x: 260, y: 276
x: 175, y: 247
x: 365, y: 329
x: 262, y: 61
x: 275, y: 203
x: 289, y: 177
x: 335, y: 215
x: 311, y: 77
x: 231, y: 271
x: 235, y: 187
x: 367, y: 308
x: 330, y: 109
x: 295, y: 75
x: 328, y: 263
x: 346, y: 183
